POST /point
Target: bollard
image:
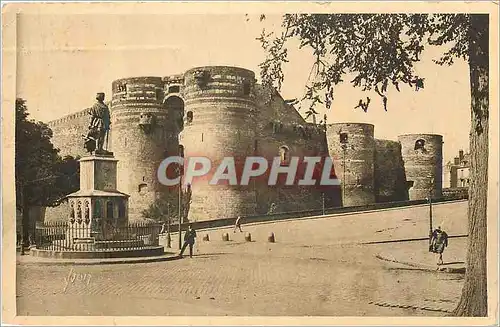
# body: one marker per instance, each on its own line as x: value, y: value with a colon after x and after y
x: 270, y: 238
x: 169, y: 241
x: 248, y: 237
x: 206, y: 238
x: 225, y: 237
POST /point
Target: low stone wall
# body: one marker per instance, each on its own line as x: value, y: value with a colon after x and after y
x: 456, y: 193
x: 302, y: 214
x: 102, y: 254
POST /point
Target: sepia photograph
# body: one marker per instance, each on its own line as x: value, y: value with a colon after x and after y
x: 221, y: 163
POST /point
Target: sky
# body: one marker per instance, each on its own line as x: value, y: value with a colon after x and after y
x: 64, y: 59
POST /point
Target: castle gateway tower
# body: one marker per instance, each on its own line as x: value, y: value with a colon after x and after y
x: 219, y: 122
x: 143, y: 135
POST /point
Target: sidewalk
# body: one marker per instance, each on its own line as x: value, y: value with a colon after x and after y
x: 416, y: 255
x: 29, y: 259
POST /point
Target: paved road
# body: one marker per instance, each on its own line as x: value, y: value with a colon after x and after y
x: 293, y: 277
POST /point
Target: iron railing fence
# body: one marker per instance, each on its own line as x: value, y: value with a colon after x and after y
x: 67, y: 236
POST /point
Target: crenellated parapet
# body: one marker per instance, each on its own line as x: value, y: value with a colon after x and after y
x: 68, y: 119
x: 306, y: 131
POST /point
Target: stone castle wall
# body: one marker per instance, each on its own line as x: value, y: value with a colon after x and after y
x: 68, y: 133
x: 220, y: 111
x: 390, y: 177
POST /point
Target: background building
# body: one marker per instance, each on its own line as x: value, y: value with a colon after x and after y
x: 456, y: 172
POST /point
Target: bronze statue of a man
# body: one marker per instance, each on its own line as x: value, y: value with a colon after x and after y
x: 97, y: 137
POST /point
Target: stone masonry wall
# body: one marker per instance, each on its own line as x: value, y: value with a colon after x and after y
x: 220, y: 111
x: 142, y: 137
x: 358, y: 158
x: 423, y: 161
x: 68, y: 131
x: 221, y: 102
x: 390, y: 179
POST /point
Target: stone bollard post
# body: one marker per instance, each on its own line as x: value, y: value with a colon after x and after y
x: 206, y: 238
x: 270, y: 238
x: 225, y: 237
x: 248, y: 237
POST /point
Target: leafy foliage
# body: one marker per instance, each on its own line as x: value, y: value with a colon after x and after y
x: 375, y: 51
x: 167, y: 207
x: 44, y: 175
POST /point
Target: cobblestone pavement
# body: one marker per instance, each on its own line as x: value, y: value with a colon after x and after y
x: 246, y: 278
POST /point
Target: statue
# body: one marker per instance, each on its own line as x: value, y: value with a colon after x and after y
x: 97, y: 137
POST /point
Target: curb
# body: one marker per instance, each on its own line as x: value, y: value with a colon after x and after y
x: 452, y: 270
x: 90, y: 262
x: 414, y: 307
x: 410, y: 239
x: 331, y: 215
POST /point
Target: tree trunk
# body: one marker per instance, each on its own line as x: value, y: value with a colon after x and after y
x: 474, y: 300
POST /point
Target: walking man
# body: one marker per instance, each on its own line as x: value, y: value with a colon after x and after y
x: 237, y: 224
x: 189, y: 238
x: 439, y: 242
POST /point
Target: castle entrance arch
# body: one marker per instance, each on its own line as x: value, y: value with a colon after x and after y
x: 175, y: 108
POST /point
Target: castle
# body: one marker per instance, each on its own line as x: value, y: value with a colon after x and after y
x: 220, y: 111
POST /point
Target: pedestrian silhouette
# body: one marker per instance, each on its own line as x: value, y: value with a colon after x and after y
x: 439, y: 242
x: 237, y: 224
x: 189, y: 239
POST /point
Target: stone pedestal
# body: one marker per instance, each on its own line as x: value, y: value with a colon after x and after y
x: 98, y: 209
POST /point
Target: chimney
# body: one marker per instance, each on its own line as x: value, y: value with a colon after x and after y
x: 461, y: 155
x: 456, y: 161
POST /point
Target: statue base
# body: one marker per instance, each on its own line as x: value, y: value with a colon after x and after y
x: 103, y: 153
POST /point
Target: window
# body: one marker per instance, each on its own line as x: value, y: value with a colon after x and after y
x: 142, y: 188
x: 189, y: 117
x: 343, y: 138
x: 284, y: 155
x: 419, y: 144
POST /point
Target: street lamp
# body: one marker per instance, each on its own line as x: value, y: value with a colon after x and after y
x: 431, y: 189
x: 343, y: 145
x: 323, y: 202
x: 169, y: 240
x: 180, y: 210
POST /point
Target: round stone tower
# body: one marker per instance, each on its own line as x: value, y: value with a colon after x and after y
x: 352, y: 148
x: 423, y: 162
x: 219, y: 122
x: 142, y: 137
